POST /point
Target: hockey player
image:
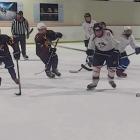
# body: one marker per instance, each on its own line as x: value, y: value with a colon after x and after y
x: 102, y: 45
x: 5, y: 55
x: 88, y: 30
x: 126, y: 39
x: 88, y: 27
x: 90, y: 58
x: 45, y: 51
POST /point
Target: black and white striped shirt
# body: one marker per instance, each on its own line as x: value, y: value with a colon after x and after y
x: 19, y: 27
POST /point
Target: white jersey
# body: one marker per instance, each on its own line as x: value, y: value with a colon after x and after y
x: 88, y: 28
x: 124, y: 42
x: 104, y: 43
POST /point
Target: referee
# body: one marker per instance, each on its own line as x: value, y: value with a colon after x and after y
x: 19, y: 29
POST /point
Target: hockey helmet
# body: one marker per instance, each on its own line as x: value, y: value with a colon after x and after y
x: 127, y: 30
x: 41, y: 25
x: 87, y: 15
x: 98, y: 30
x: 97, y: 27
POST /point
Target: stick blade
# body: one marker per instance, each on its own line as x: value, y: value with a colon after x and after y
x: 73, y: 71
x: 86, y: 68
x: 18, y: 94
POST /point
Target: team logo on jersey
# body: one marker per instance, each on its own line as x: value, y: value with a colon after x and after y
x: 101, y: 44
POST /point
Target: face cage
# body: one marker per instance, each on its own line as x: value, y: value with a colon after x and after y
x: 95, y: 32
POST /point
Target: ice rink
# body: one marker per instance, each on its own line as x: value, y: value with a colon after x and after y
x: 62, y: 109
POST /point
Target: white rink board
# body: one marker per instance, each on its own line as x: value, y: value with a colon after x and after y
x: 74, y: 33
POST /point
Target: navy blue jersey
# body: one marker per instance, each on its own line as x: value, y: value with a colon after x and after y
x: 5, y: 40
x: 42, y: 45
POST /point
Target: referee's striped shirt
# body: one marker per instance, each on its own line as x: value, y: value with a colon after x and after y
x: 19, y: 27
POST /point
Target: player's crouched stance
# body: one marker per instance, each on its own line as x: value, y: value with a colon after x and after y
x: 102, y: 45
x: 45, y: 51
x: 6, y: 58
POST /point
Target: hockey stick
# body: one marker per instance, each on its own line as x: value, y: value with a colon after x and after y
x: 28, y: 34
x: 75, y: 71
x: 0, y: 80
x: 85, y: 51
x: 82, y: 67
x: 86, y: 68
x: 128, y: 55
x: 18, y: 94
x: 31, y: 31
x: 49, y: 58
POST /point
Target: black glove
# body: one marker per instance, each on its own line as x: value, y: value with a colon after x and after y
x: 52, y: 50
x: 137, y: 50
x: 86, y: 43
x: 90, y: 52
x: 16, y: 55
x: 59, y: 35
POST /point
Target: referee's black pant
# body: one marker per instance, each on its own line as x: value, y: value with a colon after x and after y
x: 20, y: 39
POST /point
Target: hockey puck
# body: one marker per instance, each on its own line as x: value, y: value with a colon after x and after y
x: 137, y: 94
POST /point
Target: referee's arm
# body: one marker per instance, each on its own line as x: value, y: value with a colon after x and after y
x: 12, y: 28
x: 27, y: 25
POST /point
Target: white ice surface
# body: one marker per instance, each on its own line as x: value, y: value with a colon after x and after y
x: 62, y: 109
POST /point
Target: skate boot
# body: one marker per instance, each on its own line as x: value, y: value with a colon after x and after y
x: 25, y: 57
x: 124, y: 75
x: 120, y: 73
x: 112, y: 83
x: 50, y: 74
x: 91, y: 86
x: 56, y: 72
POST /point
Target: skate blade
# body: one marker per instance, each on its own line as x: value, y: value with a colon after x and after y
x: 89, y: 89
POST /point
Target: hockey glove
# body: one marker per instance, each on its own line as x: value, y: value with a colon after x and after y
x: 59, y: 35
x: 16, y: 55
x: 137, y: 50
x: 86, y: 43
x: 52, y: 50
x: 90, y: 52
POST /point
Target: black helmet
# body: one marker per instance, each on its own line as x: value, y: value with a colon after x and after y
x: 97, y: 27
x: 20, y: 13
x: 87, y: 15
x: 103, y: 23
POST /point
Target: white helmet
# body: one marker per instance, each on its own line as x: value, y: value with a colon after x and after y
x: 127, y: 28
x: 127, y: 31
x: 41, y: 25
